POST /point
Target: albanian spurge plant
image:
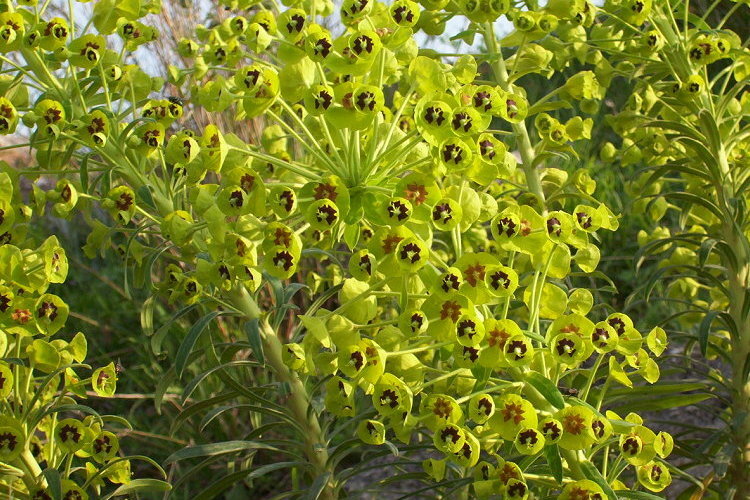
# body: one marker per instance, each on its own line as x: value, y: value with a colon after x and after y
x: 685, y: 128
x: 51, y: 445
x: 417, y: 196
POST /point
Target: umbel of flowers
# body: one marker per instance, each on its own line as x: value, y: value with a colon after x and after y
x: 454, y: 314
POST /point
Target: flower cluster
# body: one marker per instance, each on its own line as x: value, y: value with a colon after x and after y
x: 41, y: 378
x: 454, y: 308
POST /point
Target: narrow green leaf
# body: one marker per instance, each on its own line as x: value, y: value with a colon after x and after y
x: 140, y: 485
x: 705, y: 329
x: 592, y: 473
x: 207, y: 450
x: 317, y: 487
x: 53, y: 482
x: 662, y: 403
x: 253, y: 337
x: 546, y: 388
x: 554, y: 461
x: 637, y: 495
x: 186, y: 347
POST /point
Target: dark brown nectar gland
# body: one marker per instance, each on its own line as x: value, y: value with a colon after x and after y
x: 528, y: 437
x: 499, y: 279
x: 617, y: 324
x: 283, y: 259
x: 323, y: 99
x: 483, y: 100
x: 398, y: 210
x: 69, y: 432
x: 516, y: 348
x: 497, y: 337
x: 103, y: 445
x: 566, y: 347
x: 442, y: 213
x: 506, y: 226
x: 416, y: 322
x: 450, y: 433
x: 236, y: 198
x: 485, y: 406
x: 632, y: 445
x: 415, y: 193
x: 461, y: 121
x: 551, y: 430
x: 124, y: 202
x: 470, y: 354
x: 8, y: 441
x: 47, y: 309
x: 326, y: 213
x: 450, y: 309
x: 454, y: 153
x: 474, y: 274
x: 598, y: 428
x: 487, y: 149
x: 554, y: 226
x: 434, y: 116
x: 600, y: 337
x: 390, y: 243
x: 450, y: 282
x: 389, y: 397
x: 365, y: 264
x: 584, y: 219
x: 466, y: 328
x: 411, y: 252
x: 401, y: 13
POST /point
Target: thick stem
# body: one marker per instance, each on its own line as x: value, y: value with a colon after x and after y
x: 299, y: 402
x: 738, y: 283
x: 525, y: 149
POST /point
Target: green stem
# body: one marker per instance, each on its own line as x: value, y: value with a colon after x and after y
x: 524, y: 141
x: 299, y: 399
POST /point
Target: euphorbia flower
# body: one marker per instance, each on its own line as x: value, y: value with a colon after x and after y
x: 412, y: 254
x: 583, y: 489
x: 391, y: 396
x: 86, y: 51
x: 446, y: 214
x: 469, y: 329
x: 529, y: 441
x: 552, y: 429
x: 449, y: 438
x: 481, y: 408
x: 8, y: 117
x: 577, y: 427
x: 11, y: 442
x: 103, y: 447
x: 371, y: 432
x: 518, y: 351
x: 12, y: 29
x: 501, y: 281
x: 70, y: 435
x: 104, y: 380
x: 339, y: 398
x: 413, y: 322
x: 512, y: 413
x: 439, y: 409
x: 637, y: 446
x: 50, y: 313
x: 654, y: 476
